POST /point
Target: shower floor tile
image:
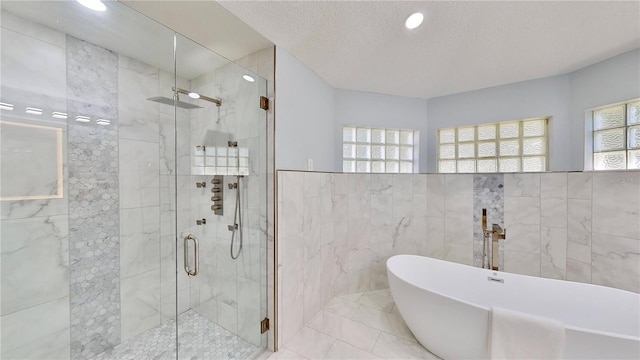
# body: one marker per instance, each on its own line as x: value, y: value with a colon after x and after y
x: 200, y: 339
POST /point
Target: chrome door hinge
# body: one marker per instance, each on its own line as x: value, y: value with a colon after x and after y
x: 264, y: 103
x: 264, y: 325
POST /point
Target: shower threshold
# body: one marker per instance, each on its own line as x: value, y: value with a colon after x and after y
x: 199, y: 339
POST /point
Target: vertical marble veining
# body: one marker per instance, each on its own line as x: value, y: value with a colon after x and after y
x: 94, y: 231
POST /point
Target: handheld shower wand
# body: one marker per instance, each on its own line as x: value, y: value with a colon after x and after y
x: 237, y: 220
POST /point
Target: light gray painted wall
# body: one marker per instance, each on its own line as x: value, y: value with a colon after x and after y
x: 526, y: 99
x: 564, y: 97
x: 610, y: 81
x: 310, y: 113
x: 377, y: 110
x: 304, y: 117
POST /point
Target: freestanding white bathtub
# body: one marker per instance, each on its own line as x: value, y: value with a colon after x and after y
x: 447, y: 307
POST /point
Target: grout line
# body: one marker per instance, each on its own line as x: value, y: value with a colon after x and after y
x: 329, y: 348
x: 376, y: 343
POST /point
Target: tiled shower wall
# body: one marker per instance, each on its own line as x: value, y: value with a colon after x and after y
x: 99, y: 264
x: 36, y: 229
x: 335, y: 231
x: 227, y: 291
x: 91, y: 259
x: 94, y: 219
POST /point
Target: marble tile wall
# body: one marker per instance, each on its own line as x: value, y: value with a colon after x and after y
x: 116, y: 222
x: 573, y: 226
x: 335, y: 233
x: 34, y: 306
x: 232, y: 292
x: 94, y: 219
x: 140, y: 210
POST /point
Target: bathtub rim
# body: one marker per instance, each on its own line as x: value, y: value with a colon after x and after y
x: 568, y: 327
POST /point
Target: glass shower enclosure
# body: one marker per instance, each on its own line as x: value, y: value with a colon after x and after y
x: 133, y: 191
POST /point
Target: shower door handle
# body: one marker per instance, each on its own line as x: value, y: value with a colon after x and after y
x: 196, y: 254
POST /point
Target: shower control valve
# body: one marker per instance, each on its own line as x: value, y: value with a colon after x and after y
x: 201, y: 222
x: 218, y: 195
x: 233, y: 227
x: 233, y: 186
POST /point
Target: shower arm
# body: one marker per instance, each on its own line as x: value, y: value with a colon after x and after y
x: 218, y: 102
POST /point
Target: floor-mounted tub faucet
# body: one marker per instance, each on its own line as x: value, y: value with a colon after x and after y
x: 491, y: 243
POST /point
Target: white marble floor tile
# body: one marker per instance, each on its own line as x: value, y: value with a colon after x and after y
x: 341, y: 350
x: 347, y: 330
x: 379, y: 300
x: 356, y: 326
x: 384, y: 321
x: 342, y: 307
x: 310, y: 343
x: 286, y: 354
x: 392, y: 347
x: 351, y: 297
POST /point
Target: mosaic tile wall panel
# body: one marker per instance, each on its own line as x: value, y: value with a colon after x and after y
x: 94, y: 243
x: 488, y: 193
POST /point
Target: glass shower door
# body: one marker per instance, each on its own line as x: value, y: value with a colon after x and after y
x: 221, y: 199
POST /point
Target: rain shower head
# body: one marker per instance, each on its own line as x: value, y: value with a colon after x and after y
x: 178, y: 103
x: 182, y: 104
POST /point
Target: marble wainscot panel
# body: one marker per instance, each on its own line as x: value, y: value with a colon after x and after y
x: 616, y: 229
x: 433, y: 243
x: 94, y: 229
x: 553, y: 225
x: 552, y: 230
x: 458, y: 219
x: 522, y: 221
x: 579, y: 226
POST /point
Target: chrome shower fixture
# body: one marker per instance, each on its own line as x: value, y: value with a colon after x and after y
x: 183, y: 104
x: 195, y: 95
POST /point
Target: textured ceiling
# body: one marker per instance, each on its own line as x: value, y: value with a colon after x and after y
x: 461, y: 46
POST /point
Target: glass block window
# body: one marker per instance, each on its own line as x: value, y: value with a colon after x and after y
x: 510, y: 146
x: 374, y: 150
x: 616, y: 137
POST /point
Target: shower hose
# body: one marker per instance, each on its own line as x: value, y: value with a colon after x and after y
x: 237, y: 222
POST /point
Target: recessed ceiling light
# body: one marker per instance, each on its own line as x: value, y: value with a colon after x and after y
x: 95, y: 5
x: 414, y: 20
x: 81, y: 118
x: 194, y: 95
x: 248, y: 78
x: 103, y: 122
